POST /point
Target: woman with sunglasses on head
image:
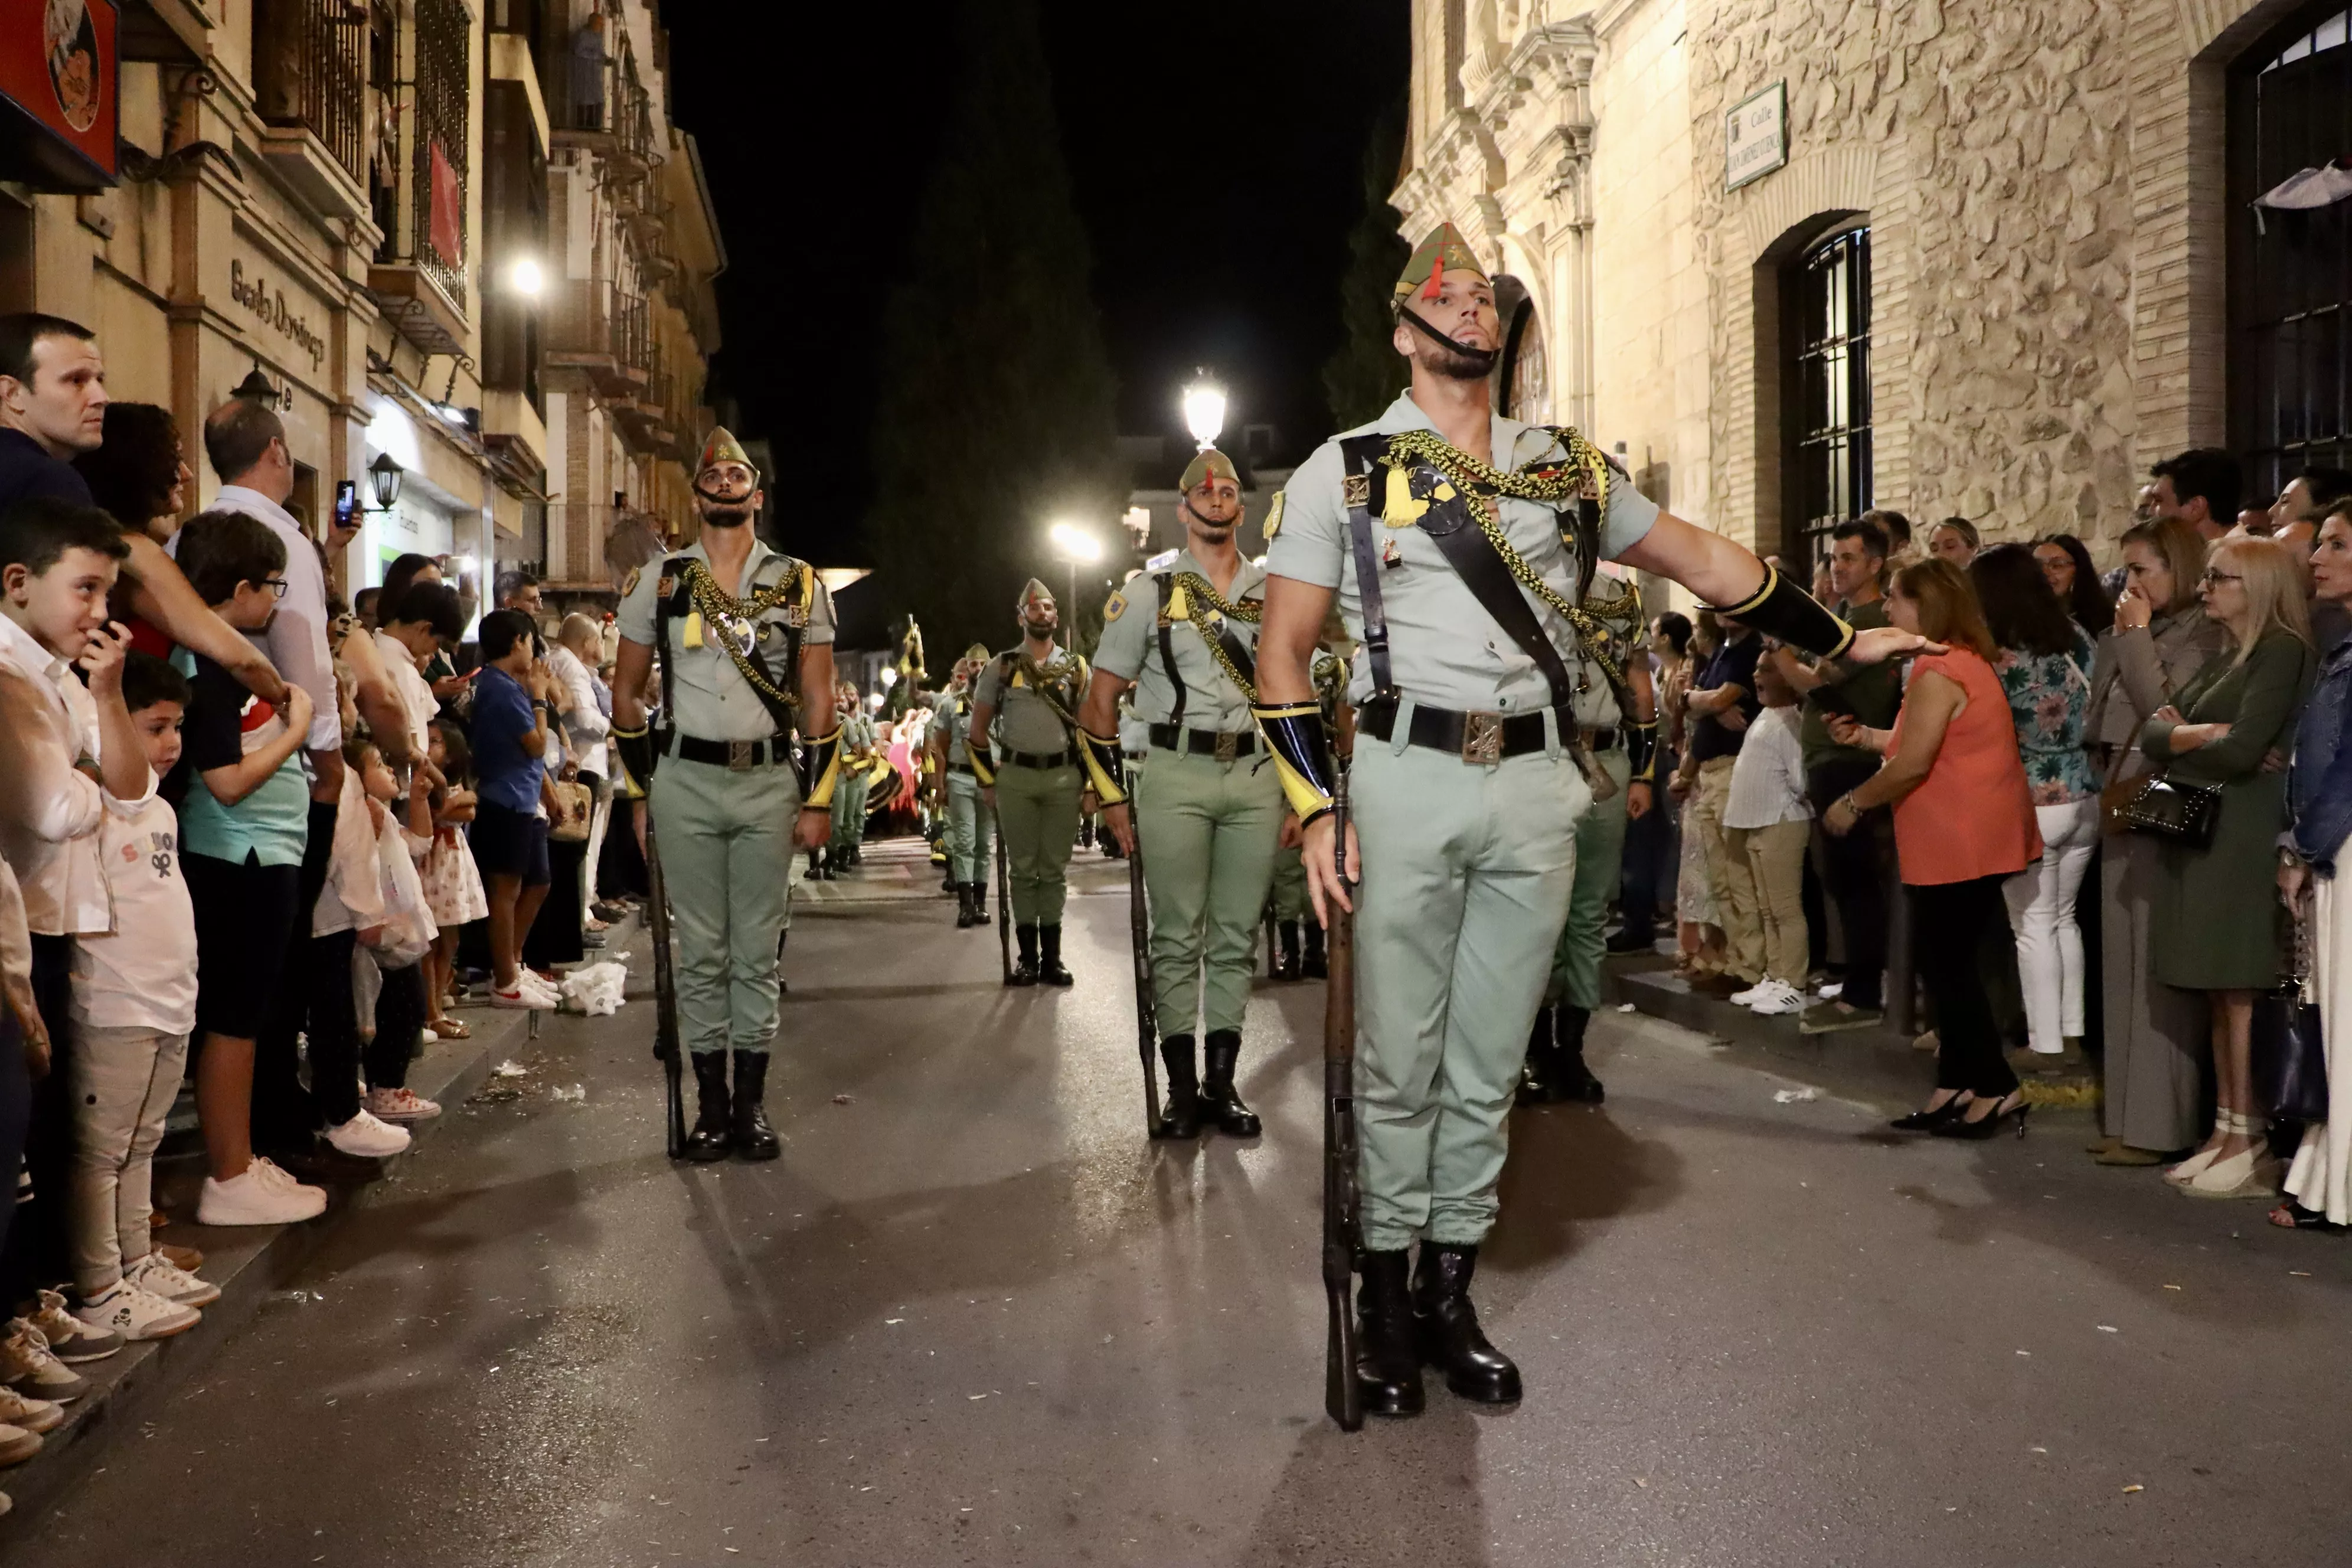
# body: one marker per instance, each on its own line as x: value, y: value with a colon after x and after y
x: 2216, y: 925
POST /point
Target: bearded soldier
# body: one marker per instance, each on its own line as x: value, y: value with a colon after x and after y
x: 1206, y: 810
x: 745, y: 639
x: 1459, y: 542
x: 1028, y: 696
x: 850, y: 795
x: 969, y: 836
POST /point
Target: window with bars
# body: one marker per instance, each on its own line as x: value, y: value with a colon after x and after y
x: 2289, y: 270
x: 438, y: 173
x: 309, y: 66
x: 1826, y: 456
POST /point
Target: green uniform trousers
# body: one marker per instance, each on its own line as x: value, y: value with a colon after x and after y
x: 1207, y: 829
x: 1467, y: 870
x: 1600, y: 860
x: 1038, y: 810
x: 726, y: 843
x: 849, y: 797
x: 970, y: 833
x: 1290, y: 885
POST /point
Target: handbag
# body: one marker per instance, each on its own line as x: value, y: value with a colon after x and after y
x: 2186, y: 814
x: 578, y: 800
x: 2289, y: 1052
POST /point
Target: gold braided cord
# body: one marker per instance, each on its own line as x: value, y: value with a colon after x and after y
x: 717, y: 606
x: 1063, y: 666
x: 1482, y: 483
x: 1248, y: 612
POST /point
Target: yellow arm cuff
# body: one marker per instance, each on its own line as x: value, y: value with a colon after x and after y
x: 820, y: 770
x: 984, y: 766
x: 1302, y: 754
x: 1104, y: 766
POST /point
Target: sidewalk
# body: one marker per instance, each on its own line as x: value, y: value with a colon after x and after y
x: 250, y: 1263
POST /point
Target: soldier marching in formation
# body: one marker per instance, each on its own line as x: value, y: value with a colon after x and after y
x: 1026, y: 702
x: 1207, y: 812
x: 969, y: 820
x: 744, y: 637
x: 849, y: 797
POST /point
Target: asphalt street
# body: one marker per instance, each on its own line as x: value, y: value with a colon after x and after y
x: 973, y: 1317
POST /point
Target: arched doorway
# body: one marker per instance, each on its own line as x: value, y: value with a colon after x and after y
x: 1522, y: 383
x: 1825, y: 410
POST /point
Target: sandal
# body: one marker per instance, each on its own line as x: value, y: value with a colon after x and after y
x: 450, y: 1029
x: 2292, y: 1215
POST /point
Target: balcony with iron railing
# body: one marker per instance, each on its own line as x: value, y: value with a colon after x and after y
x: 597, y: 327
x: 310, y: 90
x: 419, y: 274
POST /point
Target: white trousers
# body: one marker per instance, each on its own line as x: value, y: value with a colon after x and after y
x: 2042, y: 917
x: 2320, y: 1178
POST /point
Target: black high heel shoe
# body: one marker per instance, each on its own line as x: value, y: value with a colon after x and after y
x: 1985, y: 1127
x: 1932, y: 1117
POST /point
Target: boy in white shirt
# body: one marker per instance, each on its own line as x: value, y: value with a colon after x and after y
x: 1767, y: 821
x: 135, y: 1005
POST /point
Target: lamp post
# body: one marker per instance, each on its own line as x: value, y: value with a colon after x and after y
x: 1204, y: 409
x: 1077, y: 547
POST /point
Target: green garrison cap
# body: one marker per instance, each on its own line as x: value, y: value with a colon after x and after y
x: 1207, y: 462
x: 1034, y: 589
x: 722, y: 447
x: 1443, y: 251
x: 978, y: 653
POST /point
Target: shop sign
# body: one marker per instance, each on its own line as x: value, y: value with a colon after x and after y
x: 266, y: 304
x: 1756, y: 136
x: 57, y: 87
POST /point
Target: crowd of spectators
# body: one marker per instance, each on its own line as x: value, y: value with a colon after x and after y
x: 245, y: 837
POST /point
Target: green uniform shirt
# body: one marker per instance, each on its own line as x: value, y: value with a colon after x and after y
x: 703, y: 692
x: 1131, y: 647
x: 952, y: 714
x: 1872, y: 691
x: 1444, y: 647
x: 1025, y: 721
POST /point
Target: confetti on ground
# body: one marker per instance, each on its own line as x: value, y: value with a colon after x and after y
x: 1795, y: 1095
x: 2109, y: 1329
x: 841, y: 1099
x: 2135, y: 1486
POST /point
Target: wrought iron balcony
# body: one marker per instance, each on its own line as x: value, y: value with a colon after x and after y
x: 600, y: 327
x: 310, y: 72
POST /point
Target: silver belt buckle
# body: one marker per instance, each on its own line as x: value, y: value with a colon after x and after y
x: 1228, y: 745
x: 739, y: 755
x: 1482, y: 737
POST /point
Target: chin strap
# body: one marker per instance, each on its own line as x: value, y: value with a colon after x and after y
x: 818, y: 769
x: 983, y: 766
x: 1642, y: 749
x: 1302, y: 754
x: 1781, y: 609
x: 1103, y: 764
x: 1484, y: 358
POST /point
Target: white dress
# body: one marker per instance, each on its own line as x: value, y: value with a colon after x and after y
x: 2320, y: 1178
x: 453, y: 884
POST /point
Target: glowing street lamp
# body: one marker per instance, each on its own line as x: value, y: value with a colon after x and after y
x: 1204, y: 409
x: 1078, y: 547
x: 526, y: 278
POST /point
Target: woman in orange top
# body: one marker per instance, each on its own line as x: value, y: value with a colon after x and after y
x: 1963, y: 825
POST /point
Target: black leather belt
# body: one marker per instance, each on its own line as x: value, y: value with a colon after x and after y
x: 963, y: 768
x: 1223, y: 744
x: 1061, y: 758
x: 1601, y: 740
x: 737, y: 755
x: 1484, y: 738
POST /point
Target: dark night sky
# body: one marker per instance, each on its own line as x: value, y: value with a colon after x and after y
x: 1215, y: 150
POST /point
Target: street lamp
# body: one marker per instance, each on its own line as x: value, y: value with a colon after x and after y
x: 1204, y: 409
x: 383, y: 478
x: 526, y: 278
x: 1076, y: 546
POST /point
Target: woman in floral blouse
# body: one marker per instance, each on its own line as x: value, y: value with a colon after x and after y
x: 2045, y: 668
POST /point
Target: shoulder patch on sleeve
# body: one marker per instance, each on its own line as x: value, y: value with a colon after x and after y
x: 629, y: 583
x: 1274, y: 516
x: 1114, y: 606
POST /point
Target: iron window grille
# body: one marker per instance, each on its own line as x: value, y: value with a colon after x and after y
x: 1829, y: 373
x: 311, y: 71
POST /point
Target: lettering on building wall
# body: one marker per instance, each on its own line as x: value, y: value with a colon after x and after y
x: 1756, y: 136
x: 268, y: 306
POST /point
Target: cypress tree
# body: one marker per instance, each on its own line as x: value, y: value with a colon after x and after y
x: 996, y: 411
x: 1362, y: 376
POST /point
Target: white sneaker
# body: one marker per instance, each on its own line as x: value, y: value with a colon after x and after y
x: 428, y: 1036
x: 1753, y: 994
x: 365, y: 1138
x: 1831, y: 989
x: 160, y: 1276
x: 16, y: 1446
x: 400, y: 1105
x: 523, y: 995
x: 29, y: 1366
x: 70, y: 1339
x: 137, y: 1314
x: 1779, y: 1000
x: 551, y: 990
x: 260, y: 1194
x: 27, y: 1414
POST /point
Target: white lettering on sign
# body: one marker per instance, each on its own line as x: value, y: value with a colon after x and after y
x: 270, y: 305
x: 1756, y: 136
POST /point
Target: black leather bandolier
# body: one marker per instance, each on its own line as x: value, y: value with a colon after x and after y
x: 1236, y: 650
x: 675, y: 600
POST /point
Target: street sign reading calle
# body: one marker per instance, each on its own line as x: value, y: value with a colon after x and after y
x: 1756, y: 136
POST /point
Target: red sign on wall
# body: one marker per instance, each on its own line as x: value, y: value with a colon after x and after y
x: 58, y: 106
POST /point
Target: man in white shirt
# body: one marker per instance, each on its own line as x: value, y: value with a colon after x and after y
x: 1767, y: 820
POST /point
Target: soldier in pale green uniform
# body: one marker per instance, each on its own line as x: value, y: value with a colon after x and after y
x: 1024, y: 709
x: 968, y: 826
x: 745, y: 639
x: 1623, y: 747
x: 1207, y: 810
x: 1457, y: 539
x: 857, y: 740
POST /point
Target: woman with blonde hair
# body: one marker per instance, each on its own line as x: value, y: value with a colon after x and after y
x: 1964, y: 824
x: 2216, y: 918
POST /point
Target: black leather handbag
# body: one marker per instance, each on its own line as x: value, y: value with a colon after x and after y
x: 2290, y: 1055
x: 2185, y: 812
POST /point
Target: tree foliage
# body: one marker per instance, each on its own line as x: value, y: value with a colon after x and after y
x: 996, y: 406
x: 1362, y: 376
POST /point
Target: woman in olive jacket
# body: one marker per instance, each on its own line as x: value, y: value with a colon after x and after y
x: 2217, y: 925
x: 2152, y: 1036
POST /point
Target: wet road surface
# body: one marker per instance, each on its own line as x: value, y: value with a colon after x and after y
x: 971, y: 1317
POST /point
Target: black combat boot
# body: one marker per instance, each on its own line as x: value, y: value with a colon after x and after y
x: 815, y: 867
x: 1538, y: 1077
x: 1049, y: 961
x: 1388, y: 1361
x: 1571, y: 1078
x: 1219, y: 1104
x: 754, y: 1138
x: 1286, y: 966
x: 1447, y: 1327
x: 1180, y: 1118
x: 708, y: 1140
x: 963, y: 907
x: 1311, y: 965
x: 1024, y: 968
x: 979, y: 902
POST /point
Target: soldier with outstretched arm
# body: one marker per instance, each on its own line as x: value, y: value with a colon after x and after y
x: 1457, y: 540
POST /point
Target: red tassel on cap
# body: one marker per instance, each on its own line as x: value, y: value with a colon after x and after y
x: 1430, y: 289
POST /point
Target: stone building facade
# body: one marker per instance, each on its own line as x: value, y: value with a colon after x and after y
x: 1985, y: 274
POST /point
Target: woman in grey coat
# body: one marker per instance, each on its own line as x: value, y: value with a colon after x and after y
x: 2155, y: 1037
